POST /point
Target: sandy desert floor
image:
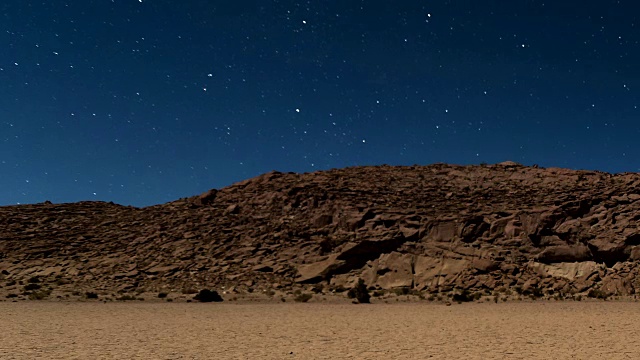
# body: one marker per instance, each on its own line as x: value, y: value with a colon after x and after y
x: 542, y: 330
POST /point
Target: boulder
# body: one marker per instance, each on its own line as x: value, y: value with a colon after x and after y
x: 564, y: 253
x: 433, y: 273
x: 570, y: 271
x: 322, y: 220
x: 318, y: 271
x: 609, y: 249
x: 394, y: 270
x: 615, y: 285
x: 484, y: 265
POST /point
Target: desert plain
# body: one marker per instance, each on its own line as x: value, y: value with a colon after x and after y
x: 540, y: 260
x: 512, y: 330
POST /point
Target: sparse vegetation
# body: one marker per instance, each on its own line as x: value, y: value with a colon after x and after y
x: 360, y: 293
x: 39, y: 295
x: 126, y: 298
x: 91, y: 295
x: 518, y: 289
x: 597, y: 294
x: 534, y: 292
x: 402, y: 291
x: 463, y: 296
x: 162, y: 295
x: 206, y: 295
x: 303, y: 297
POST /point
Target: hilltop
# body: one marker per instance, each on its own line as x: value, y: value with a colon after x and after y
x: 424, y: 230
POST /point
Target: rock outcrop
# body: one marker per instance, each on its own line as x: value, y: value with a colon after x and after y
x: 437, y: 228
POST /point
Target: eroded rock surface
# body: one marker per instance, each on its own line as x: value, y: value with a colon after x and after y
x: 436, y: 228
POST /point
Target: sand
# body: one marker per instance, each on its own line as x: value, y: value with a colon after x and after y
x: 544, y: 330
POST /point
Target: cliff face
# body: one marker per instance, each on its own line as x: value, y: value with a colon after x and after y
x: 432, y: 228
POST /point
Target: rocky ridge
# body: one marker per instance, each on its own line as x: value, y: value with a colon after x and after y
x: 421, y: 229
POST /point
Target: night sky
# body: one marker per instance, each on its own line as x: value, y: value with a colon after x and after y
x: 142, y: 102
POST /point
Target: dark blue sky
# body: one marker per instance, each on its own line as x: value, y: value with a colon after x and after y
x: 143, y: 102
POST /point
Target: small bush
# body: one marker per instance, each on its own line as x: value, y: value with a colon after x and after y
x: 11, y: 283
x: 10, y: 296
x: 402, y: 291
x: 463, y: 296
x: 34, y: 280
x: 360, y: 293
x: 304, y: 297
x: 91, y: 295
x: 518, y: 290
x: 536, y: 292
x: 39, y: 295
x: 597, y: 294
x: 351, y: 294
x: 126, y: 298
x: 206, y: 295
x: 162, y: 295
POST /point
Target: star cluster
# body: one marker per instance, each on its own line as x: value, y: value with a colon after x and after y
x: 145, y: 101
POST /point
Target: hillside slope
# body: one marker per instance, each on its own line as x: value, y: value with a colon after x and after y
x: 429, y: 229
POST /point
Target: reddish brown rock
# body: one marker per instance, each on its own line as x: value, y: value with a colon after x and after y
x: 431, y: 228
x: 564, y: 253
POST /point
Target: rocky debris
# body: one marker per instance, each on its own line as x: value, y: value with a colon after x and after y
x: 434, y: 229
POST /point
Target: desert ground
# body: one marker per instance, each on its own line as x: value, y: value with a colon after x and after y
x: 537, y: 330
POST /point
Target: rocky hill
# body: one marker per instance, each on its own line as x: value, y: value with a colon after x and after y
x: 420, y: 229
